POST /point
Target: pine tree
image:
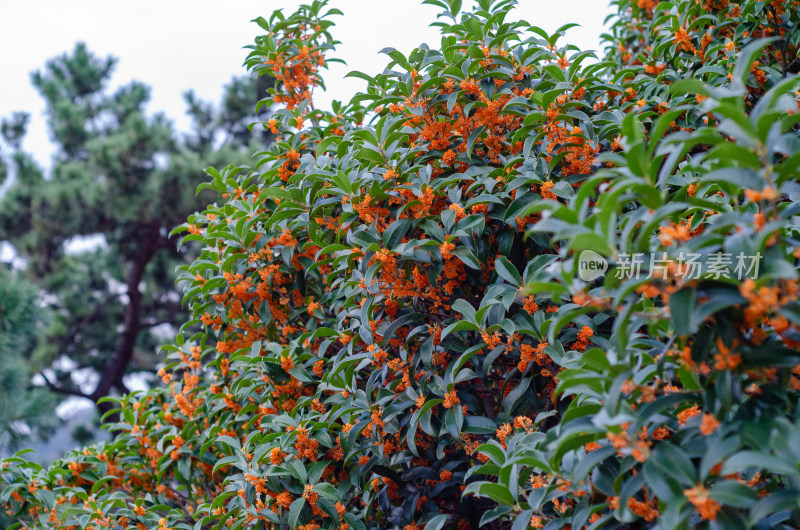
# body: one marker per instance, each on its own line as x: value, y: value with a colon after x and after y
x: 24, y: 412
x: 124, y: 178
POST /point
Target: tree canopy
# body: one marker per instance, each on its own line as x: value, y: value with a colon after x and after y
x: 24, y: 411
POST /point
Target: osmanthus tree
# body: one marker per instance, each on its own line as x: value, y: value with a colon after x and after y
x: 396, y: 329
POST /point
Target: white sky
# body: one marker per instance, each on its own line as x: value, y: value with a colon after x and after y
x: 175, y: 45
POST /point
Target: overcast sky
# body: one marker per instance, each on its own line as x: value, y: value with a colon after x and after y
x: 175, y: 45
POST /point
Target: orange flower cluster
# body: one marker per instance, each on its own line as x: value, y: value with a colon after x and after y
x: 688, y: 413
x: 763, y: 302
x: 684, y: 41
x: 639, y: 448
x: 578, y: 152
x: 532, y: 354
x: 296, y: 74
x: 725, y: 360
x: 703, y: 503
x: 584, y: 336
x: 672, y: 233
x: 306, y: 447
x: 450, y: 399
x: 644, y: 509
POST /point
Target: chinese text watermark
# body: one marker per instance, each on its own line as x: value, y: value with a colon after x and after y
x: 685, y: 265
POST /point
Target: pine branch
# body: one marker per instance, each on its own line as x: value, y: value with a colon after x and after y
x: 61, y: 390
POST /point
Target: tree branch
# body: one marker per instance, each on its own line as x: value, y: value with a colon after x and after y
x: 115, y: 369
x: 122, y: 387
x: 61, y: 390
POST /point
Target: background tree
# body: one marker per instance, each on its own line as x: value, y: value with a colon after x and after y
x: 94, y: 235
x: 24, y: 411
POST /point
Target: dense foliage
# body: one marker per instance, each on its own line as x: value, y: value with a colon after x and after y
x: 24, y: 411
x: 396, y: 332
x: 92, y: 233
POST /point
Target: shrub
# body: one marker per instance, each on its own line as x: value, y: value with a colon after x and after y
x: 396, y: 329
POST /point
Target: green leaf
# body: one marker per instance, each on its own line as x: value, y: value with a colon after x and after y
x: 506, y: 270
x: 494, y: 452
x: 740, y: 178
x: 496, y: 492
x: 466, y: 256
x: 681, y: 310
x: 454, y: 421
x: 515, y: 394
x: 757, y: 460
x: 465, y: 309
x: 295, y: 510
x: 437, y: 522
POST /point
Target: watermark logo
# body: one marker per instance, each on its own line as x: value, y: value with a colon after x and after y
x: 591, y: 265
x: 686, y: 266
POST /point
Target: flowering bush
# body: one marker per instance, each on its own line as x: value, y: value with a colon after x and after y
x: 396, y: 332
